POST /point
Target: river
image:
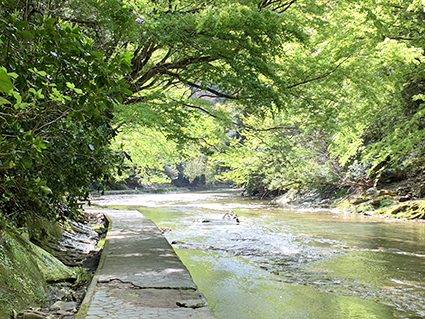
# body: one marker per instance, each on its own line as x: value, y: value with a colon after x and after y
x: 278, y: 263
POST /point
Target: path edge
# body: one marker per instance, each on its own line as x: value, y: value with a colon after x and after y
x: 85, y: 304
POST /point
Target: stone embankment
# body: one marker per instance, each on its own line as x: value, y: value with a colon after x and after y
x: 140, y: 276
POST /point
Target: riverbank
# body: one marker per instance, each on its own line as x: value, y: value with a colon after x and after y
x: 402, y: 200
x: 138, y: 275
x: 49, y: 278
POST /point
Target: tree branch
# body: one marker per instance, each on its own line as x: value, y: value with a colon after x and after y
x: 318, y: 77
x: 197, y: 108
x: 165, y: 67
x: 280, y: 8
x: 211, y: 90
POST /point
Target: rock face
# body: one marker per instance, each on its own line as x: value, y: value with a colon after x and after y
x: 286, y: 198
x: 24, y: 272
x: 20, y: 279
x: 60, y: 309
x: 50, y: 267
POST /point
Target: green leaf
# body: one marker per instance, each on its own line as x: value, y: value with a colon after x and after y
x: 21, y: 24
x: 13, y: 75
x: 4, y: 101
x: 46, y: 190
x: 21, y: 106
x: 50, y: 21
x: 5, y: 83
x: 27, y: 35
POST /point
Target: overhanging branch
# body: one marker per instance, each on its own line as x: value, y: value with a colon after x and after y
x: 165, y: 68
x: 281, y: 6
x: 318, y: 77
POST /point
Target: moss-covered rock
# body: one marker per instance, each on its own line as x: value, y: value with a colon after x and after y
x: 414, y: 209
x: 24, y: 271
x: 50, y: 267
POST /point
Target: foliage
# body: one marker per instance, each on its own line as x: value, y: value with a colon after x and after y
x: 351, y: 124
x: 56, y: 97
x: 149, y: 152
x: 184, y: 50
x: 271, y: 94
x: 319, y: 92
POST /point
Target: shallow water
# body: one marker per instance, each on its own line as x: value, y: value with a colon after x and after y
x: 279, y: 263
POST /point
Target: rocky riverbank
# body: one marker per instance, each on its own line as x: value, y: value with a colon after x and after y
x: 48, y: 278
x: 402, y: 200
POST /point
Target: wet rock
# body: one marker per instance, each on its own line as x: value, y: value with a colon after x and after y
x: 359, y: 200
x: 92, y: 260
x: 324, y: 202
x: 204, y: 220
x: 80, y: 293
x: 404, y: 199
x: 370, y: 191
x: 179, y: 242
x: 33, y: 314
x: 59, y: 310
x: 195, y: 303
x: 63, y: 308
x: 101, y: 230
x: 59, y: 291
x: 231, y: 215
x: 286, y: 198
x: 386, y: 192
x: 375, y: 202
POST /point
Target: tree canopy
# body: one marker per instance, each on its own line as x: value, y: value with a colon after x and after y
x: 271, y: 94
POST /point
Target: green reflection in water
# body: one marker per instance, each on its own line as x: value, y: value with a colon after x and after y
x: 237, y: 289
x: 364, y: 264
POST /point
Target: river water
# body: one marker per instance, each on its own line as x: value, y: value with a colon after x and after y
x: 278, y: 263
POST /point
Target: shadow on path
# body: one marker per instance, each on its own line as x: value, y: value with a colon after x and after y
x: 140, y: 276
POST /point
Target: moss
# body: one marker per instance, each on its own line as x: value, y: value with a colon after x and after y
x: 83, y: 276
x: 21, y: 282
x: 24, y: 271
x: 414, y: 209
x: 51, y: 268
x: 42, y: 228
x: 100, y: 243
x: 343, y: 204
x: 364, y: 208
x: 385, y: 202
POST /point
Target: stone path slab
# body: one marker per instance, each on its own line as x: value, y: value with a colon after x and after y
x: 140, y: 276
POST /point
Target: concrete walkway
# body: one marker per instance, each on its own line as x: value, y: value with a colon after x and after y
x: 140, y: 276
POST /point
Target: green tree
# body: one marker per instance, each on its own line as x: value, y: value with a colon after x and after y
x: 355, y: 108
x: 56, y: 99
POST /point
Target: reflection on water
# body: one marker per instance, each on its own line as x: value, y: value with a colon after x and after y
x: 291, y: 264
